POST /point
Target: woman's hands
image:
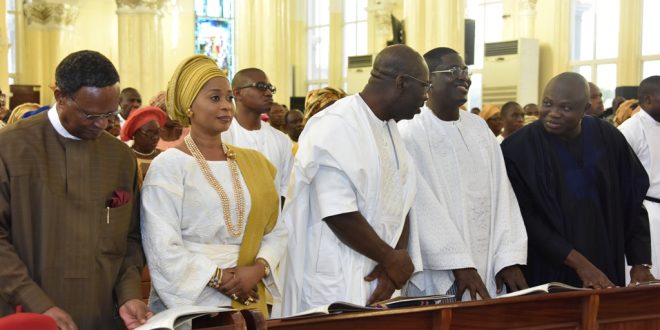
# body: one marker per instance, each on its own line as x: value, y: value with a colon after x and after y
x: 240, y: 283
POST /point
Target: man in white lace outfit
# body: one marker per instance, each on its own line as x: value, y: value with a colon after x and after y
x: 461, y: 160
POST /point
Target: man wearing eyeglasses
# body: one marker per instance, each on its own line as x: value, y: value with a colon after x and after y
x: 353, y: 184
x: 461, y: 161
x: 69, y: 224
x: 253, y: 94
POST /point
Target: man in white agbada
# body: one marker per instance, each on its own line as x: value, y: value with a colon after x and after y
x: 352, y: 186
x: 642, y: 131
x: 253, y: 95
x: 460, y: 159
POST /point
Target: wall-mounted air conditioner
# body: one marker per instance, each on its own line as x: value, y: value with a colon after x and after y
x: 359, y: 70
x: 511, y: 72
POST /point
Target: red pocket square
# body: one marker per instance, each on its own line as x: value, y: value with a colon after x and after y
x: 119, y: 198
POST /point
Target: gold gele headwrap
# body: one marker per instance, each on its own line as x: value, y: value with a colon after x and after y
x: 159, y: 101
x: 625, y: 110
x: 186, y: 82
x: 489, y: 111
x: 20, y: 110
x: 319, y: 99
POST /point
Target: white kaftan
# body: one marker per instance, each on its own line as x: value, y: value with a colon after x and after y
x: 184, y: 235
x: 643, y: 134
x: 462, y: 163
x: 348, y: 161
x: 270, y: 142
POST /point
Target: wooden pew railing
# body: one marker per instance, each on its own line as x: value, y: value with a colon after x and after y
x: 611, y: 309
x: 619, y: 308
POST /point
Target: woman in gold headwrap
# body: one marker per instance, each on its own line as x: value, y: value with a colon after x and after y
x: 21, y: 110
x: 491, y: 114
x: 171, y: 133
x: 209, y: 209
x: 625, y: 110
x: 319, y: 99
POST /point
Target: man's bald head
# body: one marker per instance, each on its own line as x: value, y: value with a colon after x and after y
x: 649, y: 96
x: 571, y: 81
x: 649, y: 86
x: 565, y: 100
x: 398, y: 85
x: 253, y: 92
x: 246, y: 76
x: 397, y: 60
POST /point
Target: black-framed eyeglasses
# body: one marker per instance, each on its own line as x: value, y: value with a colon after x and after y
x: 457, y: 72
x: 94, y: 117
x: 262, y: 86
x: 427, y: 85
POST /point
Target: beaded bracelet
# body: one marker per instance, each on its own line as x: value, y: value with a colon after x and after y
x: 216, y: 280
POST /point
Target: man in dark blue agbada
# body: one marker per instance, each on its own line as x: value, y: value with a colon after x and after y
x: 580, y: 188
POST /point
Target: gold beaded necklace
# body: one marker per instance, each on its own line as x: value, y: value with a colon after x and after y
x: 234, y: 230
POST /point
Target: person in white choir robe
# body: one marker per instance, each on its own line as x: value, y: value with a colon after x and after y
x: 459, y: 157
x: 253, y: 94
x: 352, y: 186
x: 642, y: 131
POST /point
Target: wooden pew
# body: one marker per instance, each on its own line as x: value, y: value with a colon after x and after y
x: 631, y: 308
x: 619, y: 308
x: 249, y: 319
x: 146, y: 284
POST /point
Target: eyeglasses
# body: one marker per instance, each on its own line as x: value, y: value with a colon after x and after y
x: 457, y: 72
x: 262, y: 86
x: 427, y: 85
x: 94, y: 117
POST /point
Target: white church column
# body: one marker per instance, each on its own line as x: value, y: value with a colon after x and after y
x: 141, y: 46
x: 49, y: 26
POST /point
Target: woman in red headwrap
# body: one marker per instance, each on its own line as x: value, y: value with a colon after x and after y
x: 143, y: 127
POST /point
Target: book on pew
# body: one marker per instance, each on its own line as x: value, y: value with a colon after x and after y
x: 551, y: 287
x: 344, y: 307
x: 401, y: 301
x: 334, y: 308
x: 651, y: 282
x: 173, y: 318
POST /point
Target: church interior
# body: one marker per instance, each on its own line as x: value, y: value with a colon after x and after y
x: 306, y: 44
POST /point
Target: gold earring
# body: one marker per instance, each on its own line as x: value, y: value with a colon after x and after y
x: 189, y: 113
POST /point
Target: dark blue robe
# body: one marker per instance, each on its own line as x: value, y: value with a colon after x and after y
x: 584, y: 194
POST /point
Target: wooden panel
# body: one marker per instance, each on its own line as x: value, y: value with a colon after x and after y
x: 630, y: 306
x: 611, y: 309
x: 223, y: 321
x: 403, y: 319
x: 563, y: 313
x: 146, y: 284
x: 254, y: 319
x: 24, y: 94
x: 631, y: 325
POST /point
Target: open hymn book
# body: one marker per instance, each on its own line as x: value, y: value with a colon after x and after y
x: 344, y: 307
x: 173, y: 318
x: 551, y: 287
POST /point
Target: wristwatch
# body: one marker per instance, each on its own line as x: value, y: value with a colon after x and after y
x: 647, y: 266
x: 266, y: 266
